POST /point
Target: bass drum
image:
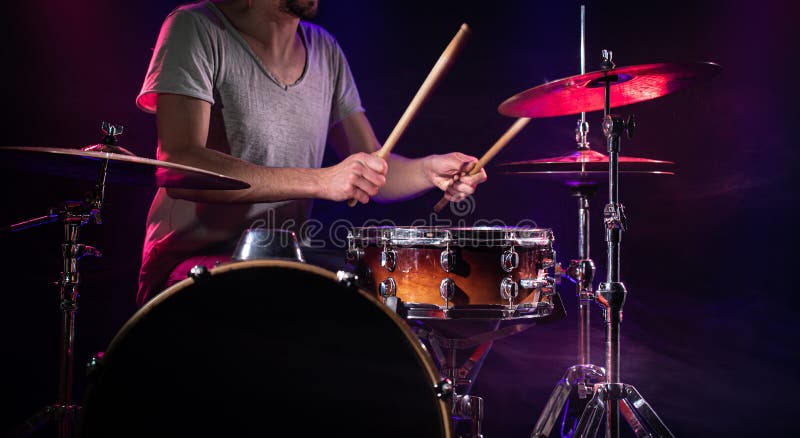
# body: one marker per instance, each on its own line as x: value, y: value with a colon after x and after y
x: 257, y: 347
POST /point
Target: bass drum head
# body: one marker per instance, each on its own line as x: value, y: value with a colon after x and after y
x: 259, y: 347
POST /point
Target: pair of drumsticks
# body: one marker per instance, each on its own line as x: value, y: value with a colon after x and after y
x: 441, y: 66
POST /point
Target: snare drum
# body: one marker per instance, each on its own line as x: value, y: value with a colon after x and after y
x: 455, y: 273
x: 250, y: 347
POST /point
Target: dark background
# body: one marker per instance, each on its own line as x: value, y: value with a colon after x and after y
x: 711, y: 308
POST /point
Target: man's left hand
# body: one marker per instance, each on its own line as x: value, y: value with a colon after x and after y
x: 449, y: 172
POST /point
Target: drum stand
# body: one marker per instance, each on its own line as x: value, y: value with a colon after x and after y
x: 459, y: 358
x: 466, y: 410
x: 73, y: 215
x: 614, y: 396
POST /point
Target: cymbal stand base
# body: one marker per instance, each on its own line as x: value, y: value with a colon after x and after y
x: 639, y: 415
x: 579, y: 381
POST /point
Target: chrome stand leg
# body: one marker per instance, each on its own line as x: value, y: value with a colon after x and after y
x: 580, y: 380
x: 589, y: 422
x: 639, y: 415
x: 549, y: 414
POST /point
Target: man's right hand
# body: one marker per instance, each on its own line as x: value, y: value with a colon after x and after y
x: 360, y: 176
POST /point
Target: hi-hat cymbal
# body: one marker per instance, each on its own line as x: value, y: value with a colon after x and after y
x: 122, y: 168
x: 583, y: 167
x: 584, y: 93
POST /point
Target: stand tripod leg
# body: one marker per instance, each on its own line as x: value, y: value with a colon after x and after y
x: 592, y: 414
x: 59, y: 414
x: 33, y: 423
x: 549, y: 416
x: 640, y: 415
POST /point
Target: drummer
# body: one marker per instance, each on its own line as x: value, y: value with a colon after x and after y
x: 251, y: 90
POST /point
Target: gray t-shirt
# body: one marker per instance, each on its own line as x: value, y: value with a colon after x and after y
x: 253, y: 117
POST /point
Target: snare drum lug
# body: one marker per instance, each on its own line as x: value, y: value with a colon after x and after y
x: 198, y: 273
x: 389, y: 259
x: 509, y: 260
x: 447, y: 289
x: 388, y: 287
x: 447, y: 260
x: 509, y: 289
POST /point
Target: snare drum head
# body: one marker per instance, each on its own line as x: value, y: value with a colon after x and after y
x: 262, y: 346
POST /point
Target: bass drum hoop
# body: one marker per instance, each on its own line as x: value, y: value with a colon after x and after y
x: 181, y: 288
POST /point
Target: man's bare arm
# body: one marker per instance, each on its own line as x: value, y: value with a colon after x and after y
x: 183, y: 131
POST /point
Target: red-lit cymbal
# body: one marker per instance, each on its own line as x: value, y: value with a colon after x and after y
x: 584, y: 93
x: 583, y: 167
x: 122, y: 168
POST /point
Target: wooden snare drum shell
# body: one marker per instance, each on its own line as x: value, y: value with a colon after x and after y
x: 477, y: 274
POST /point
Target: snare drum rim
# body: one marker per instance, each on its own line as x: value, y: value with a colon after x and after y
x: 450, y: 236
x: 421, y: 354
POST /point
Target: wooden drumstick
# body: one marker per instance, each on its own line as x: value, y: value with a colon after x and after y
x: 441, y: 66
x: 497, y: 147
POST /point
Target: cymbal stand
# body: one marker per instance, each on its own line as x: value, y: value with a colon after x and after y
x: 582, y: 377
x: 73, y: 215
x: 613, y: 396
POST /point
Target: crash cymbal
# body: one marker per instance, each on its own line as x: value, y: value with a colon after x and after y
x: 584, y: 167
x: 584, y: 93
x: 123, y: 167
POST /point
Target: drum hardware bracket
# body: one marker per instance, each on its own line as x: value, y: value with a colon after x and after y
x: 447, y: 259
x: 447, y: 290
x: 111, y: 132
x: 509, y: 290
x: 389, y: 259
x: 388, y: 287
x: 582, y: 134
x: 354, y: 254
x: 509, y: 260
x: 469, y: 408
x: 615, y: 217
x: 581, y: 272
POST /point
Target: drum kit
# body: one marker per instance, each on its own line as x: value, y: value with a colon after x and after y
x: 388, y: 345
